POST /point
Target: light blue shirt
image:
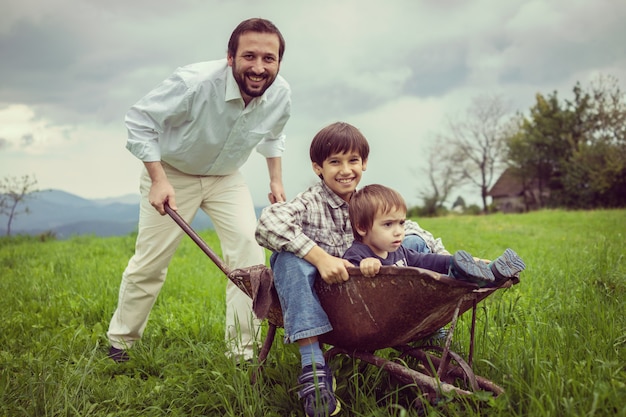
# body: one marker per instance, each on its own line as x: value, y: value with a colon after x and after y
x: 197, y: 122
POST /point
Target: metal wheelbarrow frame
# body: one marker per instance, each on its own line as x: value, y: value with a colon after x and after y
x: 399, y: 306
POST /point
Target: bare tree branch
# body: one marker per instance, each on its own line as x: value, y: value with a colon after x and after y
x: 478, y: 141
x: 13, y: 191
x: 442, y: 176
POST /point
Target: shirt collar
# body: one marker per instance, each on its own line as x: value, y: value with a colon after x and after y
x: 333, y: 199
x: 233, y: 92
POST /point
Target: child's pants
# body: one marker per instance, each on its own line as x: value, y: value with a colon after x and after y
x: 294, y: 280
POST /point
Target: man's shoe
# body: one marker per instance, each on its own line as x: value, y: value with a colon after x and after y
x: 508, y: 265
x: 318, y: 391
x: 118, y: 355
x: 466, y: 268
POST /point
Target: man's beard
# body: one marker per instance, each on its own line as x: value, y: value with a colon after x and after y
x: 242, y: 82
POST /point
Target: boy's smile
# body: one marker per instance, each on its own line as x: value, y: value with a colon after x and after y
x: 342, y: 172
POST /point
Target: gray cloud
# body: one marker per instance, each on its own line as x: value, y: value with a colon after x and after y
x: 437, y: 69
x: 27, y: 140
x: 395, y: 69
x: 36, y: 60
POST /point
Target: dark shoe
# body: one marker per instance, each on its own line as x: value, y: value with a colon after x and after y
x: 118, y: 355
x: 466, y: 268
x: 507, y: 266
x: 244, y: 364
x: 438, y: 338
x: 318, y: 391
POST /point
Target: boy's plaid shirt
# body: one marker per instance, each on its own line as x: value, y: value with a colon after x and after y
x: 320, y: 217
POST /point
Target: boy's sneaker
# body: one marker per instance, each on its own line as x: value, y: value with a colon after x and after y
x: 318, y: 391
x: 508, y: 265
x: 466, y: 268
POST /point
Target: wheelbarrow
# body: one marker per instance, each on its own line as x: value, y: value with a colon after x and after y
x: 399, y: 306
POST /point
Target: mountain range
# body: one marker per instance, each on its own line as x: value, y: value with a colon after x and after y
x: 65, y: 215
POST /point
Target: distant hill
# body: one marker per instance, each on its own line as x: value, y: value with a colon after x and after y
x: 66, y: 214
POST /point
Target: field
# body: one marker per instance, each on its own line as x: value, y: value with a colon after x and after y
x: 556, y: 342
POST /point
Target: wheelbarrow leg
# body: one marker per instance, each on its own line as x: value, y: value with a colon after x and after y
x: 445, y: 355
x: 407, y: 375
x: 265, y: 349
x: 267, y: 343
x: 470, y: 358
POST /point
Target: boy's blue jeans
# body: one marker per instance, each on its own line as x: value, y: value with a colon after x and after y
x: 294, y: 280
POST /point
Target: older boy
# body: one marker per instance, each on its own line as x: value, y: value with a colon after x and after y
x: 308, y: 236
x: 378, y: 213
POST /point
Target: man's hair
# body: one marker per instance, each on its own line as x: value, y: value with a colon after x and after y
x: 369, y: 201
x: 255, y: 25
x: 338, y: 137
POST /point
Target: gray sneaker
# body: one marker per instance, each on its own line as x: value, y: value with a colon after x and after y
x: 466, y: 268
x: 508, y: 265
x: 318, y: 391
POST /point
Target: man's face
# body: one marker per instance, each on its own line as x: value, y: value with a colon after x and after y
x: 342, y: 172
x: 255, y: 64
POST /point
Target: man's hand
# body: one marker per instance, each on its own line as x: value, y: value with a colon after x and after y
x: 277, y: 191
x: 370, y: 267
x: 277, y: 194
x: 161, y: 192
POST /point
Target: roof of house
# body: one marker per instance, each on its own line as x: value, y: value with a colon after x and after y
x: 508, y: 185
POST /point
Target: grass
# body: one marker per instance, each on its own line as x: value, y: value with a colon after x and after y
x: 556, y: 342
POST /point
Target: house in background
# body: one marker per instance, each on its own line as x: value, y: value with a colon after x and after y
x: 509, y: 195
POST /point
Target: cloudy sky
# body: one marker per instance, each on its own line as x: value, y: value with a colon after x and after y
x: 398, y: 69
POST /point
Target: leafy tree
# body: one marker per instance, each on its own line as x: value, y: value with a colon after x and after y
x: 575, y: 149
x: 597, y: 169
x: 13, y: 191
x: 536, y: 148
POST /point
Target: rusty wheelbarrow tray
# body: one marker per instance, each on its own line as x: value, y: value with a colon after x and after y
x: 399, y: 306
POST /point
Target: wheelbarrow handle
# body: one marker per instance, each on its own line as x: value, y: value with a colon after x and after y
x: 197, y: 239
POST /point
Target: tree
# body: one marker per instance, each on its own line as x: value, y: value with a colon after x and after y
x: 442, y: 179
x: 478, y: 142
x: 537, y: 147
x: 13, y: 191
x: 596, y: 174
x: 575, y: 149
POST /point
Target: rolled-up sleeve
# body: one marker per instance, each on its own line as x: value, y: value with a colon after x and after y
x: 272, y: 147
x: 279, y: 229
x: 145, y: 121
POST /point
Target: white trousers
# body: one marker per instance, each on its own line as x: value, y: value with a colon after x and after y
x: 227, y: 201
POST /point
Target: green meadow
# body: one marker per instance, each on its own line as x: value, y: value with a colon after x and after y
x: 556, y: 342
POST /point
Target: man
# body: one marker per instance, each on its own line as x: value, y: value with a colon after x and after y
x: 193, y: 132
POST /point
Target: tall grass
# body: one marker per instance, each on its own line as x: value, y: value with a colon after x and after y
x: 555, y: 342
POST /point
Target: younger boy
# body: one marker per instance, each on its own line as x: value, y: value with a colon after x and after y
x: 308, y: 236
x: 378, y: 213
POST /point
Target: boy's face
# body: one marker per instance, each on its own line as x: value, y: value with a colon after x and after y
x: 342, y: 172
x: 387, y: 232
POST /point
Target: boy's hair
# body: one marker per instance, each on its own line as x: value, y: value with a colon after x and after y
x: 338, y: 137
x: 369, y: 201
x: 255, y: 25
